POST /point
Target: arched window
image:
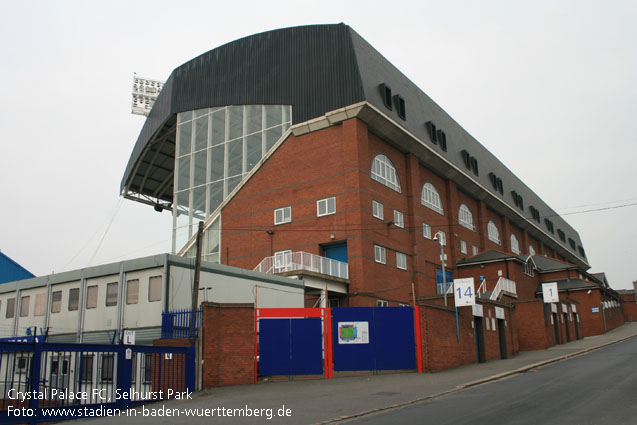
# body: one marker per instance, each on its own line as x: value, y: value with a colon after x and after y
x: 515, y: 245
x: 531, y: 250
x: 465, y: 218
x: 383, y: 171
x: 430, y: 198
x: 493, y: 232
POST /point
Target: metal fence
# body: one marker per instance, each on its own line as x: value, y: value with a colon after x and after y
x: 180, y: 324
x: 47, y: 382
x: 296, y: 261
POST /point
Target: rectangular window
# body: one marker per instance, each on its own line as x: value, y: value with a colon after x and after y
x: 132, y: 291
x: 399, y: 219
x: 379, y: 254
x: 463, y: 247
x: 111, y: 294
x: 377, y: 210
x: 86, y: 368
x: 148, y: 368
x: 10, y: 308
x: 474, y: 250
x: 56, y: 301
x: 282, y: 259
x: 282, y: 215
x: 326, y: 206
x: 74, y: 299
x: 426, y: 230
x: 401, y: 261
x: 154, y: 289
x: 382, y: 303
x: 443, y: 237
x: 108, y: 363
x: 528, y: 269
x: 40, y: 305
x: 24, y: 306
x: 91, y: 296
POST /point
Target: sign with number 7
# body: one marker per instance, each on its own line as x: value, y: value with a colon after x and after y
x: 464, y: 292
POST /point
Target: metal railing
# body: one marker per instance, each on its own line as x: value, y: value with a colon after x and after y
x: 68, y: 381
x: 296, y: 261
x: 180, y: 324
x: 504, y: 285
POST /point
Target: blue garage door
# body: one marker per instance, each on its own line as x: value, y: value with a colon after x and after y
x: 388, y: 345
x: 290, y: 347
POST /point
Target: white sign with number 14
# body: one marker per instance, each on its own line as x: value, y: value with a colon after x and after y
x: 464, y: 292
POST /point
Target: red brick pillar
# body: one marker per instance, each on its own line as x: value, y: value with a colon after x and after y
x: 228, y: 344
x: 481, y: 225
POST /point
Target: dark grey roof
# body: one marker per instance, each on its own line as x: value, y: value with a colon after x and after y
x: 546, y: 264
x: 486, y: 257
x: 318, y: 69
x: 568, y: 284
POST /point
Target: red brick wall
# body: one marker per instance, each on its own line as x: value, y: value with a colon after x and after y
x: 441, y: 349
x: 629, y: 306
x: 228, y: 344
x: 590, y: 323
x: 533, y: 333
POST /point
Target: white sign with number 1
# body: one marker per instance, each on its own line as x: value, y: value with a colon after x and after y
x: 549, y: 292
x: 464, y: 292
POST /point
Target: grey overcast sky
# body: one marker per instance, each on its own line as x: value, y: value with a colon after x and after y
x: 550, y: 87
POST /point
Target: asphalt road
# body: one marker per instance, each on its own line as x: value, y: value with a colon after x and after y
x: 597, y: 388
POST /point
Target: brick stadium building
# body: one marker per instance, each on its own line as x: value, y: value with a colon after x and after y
x: 306, y: 152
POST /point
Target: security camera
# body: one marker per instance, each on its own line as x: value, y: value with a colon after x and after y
x: 436, y: 237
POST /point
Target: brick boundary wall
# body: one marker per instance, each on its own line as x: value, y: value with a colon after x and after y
x: 228, y: 344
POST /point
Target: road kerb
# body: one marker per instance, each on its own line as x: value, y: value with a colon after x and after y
x: 477, y: 382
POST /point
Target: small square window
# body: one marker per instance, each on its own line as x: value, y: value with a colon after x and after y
x: 426, y: 230
x: 377, y: 210
x: 40, y: 305
x: 474, y: 250
x: 108, y: 363
x: 91, y: 297
x: 154, y: 289
x: 10, y: 308
x: 24, y: 306
x: 401, y: 261
x: 282, y: 215
x: 132, y: 291
x: 463, y: 247
x: 74, y: 299
x: 111, y: 294
x: 382, y: 303
x: 385, y: 92
x: 379, y: 254
x: 400, y: 106
x: 326, y: 206
x: 399, y: 219
x: 56, y: 301
x: 443, y: 237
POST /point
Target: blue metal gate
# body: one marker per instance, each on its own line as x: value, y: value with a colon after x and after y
x: 373, y: 338
x: 290, y: 346
x: 69, y: 381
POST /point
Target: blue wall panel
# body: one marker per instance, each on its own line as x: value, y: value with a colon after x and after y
x: 307, y: 347
x: 391, y: 339
x: 395, y: 343
x: 353, y: 357
x: 274, y: 347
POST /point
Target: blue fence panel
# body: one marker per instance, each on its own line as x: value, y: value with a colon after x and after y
x: 93, y: 374
x: 353, y: 357
x: 395, y: 341
x: 306, y: 346
x: 274, y: 347
x: 180, y: 324
x: 391, y: 344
